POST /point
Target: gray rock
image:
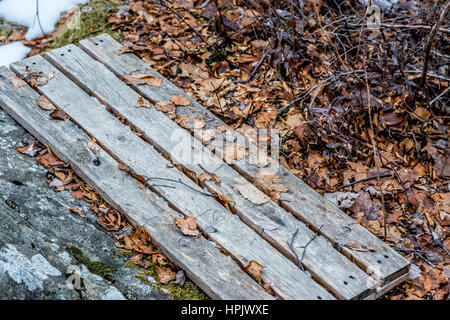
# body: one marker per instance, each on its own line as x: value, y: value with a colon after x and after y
x: 37, y: 231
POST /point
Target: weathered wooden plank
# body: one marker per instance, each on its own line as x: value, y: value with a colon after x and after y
x: 211, y: 270
x: 302, y: 201
x: 287, y: 281
x: 272, y: 222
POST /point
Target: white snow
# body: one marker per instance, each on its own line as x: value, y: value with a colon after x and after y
x: 13, y: 52
x: 23, y: 12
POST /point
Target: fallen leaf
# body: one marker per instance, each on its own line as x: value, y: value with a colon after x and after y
x: 180, y: 101
x: 167, y: 108
x: 17, y: 82
x: 254, y: 268
x: 207, y: 176
x: 138, y: 79
x: 78, y: 212
x: 59, y: 115
x: 77, y: 194
x: 165, y: 274
x: 139, y: 260
x: 188, y: 226
x: 233, y: 151
x: 30, y: 150
x: 206, y: 135
x: 48, y: 160
x: 93, y: 146
x: 45, y: 104
x: 180, y: 278
x: 141, y: 103
x: 270, y: 183
x: 224, y: 128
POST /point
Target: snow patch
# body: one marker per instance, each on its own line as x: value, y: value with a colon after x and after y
x: 12, y: 52
x: 31, y: 272
x: 23, y: 12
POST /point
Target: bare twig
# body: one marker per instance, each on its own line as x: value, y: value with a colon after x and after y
x: 291, y: 246
x: 376, y: 157
x: 38, y: 17
x: 384, y: 175
x: 252, y: 75
x: 430, y: 41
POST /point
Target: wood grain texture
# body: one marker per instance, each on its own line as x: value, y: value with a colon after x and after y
x: 384, y: 263
x: 273, y: 223
x: 226, y: 229
x: 203, y: 263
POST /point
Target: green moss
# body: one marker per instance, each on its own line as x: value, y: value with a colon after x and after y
x: 6, y: 27
x: 96, y: 267
x: 92, y: 23
x: 189, y: 291
x: 124, y: 252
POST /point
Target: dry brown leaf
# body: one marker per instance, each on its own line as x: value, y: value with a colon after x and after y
x: 253, y: 268
x: 139, y: 260
x: 59, y: 115
x: 93, y: 146
x: 167, y: 108
x: 188, y: 226
x: 141, y: 103
x: 165, y: 274
x: 270, y: 183
x: 45, y: 104
x: 180, y: 101
x: 190, y: 122
x: 206, y: 135
x: 17, y: 82
x: 207, y: 176
x: 48, y: 160
x: 138, y: 79
x: 77, y: 194
x: 30, y: 150
x: 224, y: 128
x: 78, y: 212
x: 233, y: 151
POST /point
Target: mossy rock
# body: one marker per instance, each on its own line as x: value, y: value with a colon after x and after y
x: 92, y: 23
x: 189, y: 291
x: 96, y: 267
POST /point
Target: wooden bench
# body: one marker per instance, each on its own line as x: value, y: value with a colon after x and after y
x: 298, y: 237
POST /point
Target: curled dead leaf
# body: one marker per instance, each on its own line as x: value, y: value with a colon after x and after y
x: 188, y: 226
x: 78, y: 212
x: 207, y: 176
x: 233, y: 151
x: 45, y: 104
x: 165, y: 274
x: 17, y: 82
x: 180, y: 101
x: 253, y: 268
x: 59, y: 115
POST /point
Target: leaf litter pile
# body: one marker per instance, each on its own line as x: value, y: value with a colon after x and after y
x: 362, y: 113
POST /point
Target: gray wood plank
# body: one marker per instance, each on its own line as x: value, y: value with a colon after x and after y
x: 301, y: 200
x: 273, y: 223
x: 210, y: 269
x: 226, y: 229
